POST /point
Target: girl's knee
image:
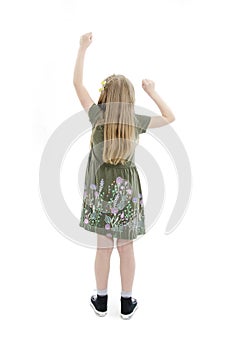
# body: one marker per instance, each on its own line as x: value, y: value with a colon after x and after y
x: 124, y: 246
x: 104, y: 251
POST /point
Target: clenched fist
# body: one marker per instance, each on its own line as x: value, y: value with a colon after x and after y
x: 148, y: 85
x: 86, y: 40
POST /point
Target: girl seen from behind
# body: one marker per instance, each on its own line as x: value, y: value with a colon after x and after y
x: 113, y: 207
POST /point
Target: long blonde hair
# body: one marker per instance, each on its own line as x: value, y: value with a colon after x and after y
x: 117, y: 102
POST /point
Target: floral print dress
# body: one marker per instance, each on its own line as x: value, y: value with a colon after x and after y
x: 112, y: 200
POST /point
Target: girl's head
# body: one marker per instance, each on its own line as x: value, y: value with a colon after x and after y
x: 117, y: 102
x: 117, y: 88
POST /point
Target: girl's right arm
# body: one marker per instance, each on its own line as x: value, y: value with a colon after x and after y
x: 167, y: 115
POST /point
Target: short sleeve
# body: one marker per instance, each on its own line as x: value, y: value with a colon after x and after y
x: 94, y: 113
x: 142, y: 122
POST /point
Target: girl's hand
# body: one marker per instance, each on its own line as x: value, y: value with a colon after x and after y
x: 148, y: 86
x: 86, y: 40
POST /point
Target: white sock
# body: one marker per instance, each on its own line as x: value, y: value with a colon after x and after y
x: 102, y: 292
x: 125, y: 294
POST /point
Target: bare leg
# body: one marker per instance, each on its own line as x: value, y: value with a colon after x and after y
x: 127, y: 263
x: 102, y: 261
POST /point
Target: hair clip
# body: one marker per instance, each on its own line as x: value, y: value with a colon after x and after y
x: 103, y: 85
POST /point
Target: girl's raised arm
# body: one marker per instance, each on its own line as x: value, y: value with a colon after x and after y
x: 83, y: 95
x: 167, y: 115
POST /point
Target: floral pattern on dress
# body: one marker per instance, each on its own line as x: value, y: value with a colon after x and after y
x: 113, y: 208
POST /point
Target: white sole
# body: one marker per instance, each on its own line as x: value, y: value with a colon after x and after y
x: 99, y: 313
x: 127, y: 317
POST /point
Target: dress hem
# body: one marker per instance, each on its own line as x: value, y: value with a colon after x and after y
x: 123, y: 235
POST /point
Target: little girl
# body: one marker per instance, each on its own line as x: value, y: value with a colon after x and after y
x: 113, y: 201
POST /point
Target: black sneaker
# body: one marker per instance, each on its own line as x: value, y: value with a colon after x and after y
x: 128, y: 307
x: 99, y: 304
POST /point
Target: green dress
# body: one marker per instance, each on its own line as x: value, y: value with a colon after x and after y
x: 112, y: 200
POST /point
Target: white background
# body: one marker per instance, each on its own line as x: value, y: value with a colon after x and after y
x: 183, y: 280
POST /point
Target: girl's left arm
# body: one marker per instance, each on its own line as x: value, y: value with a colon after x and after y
x: 83, y: 95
